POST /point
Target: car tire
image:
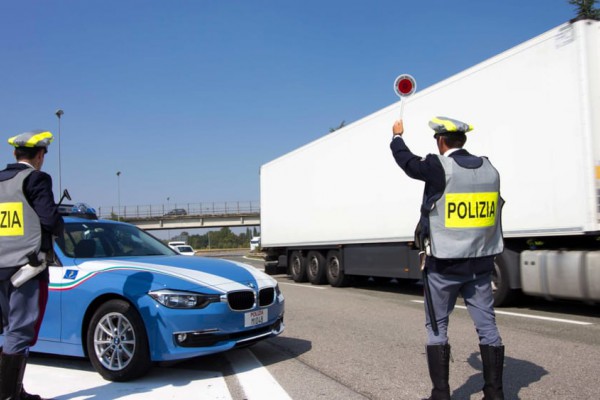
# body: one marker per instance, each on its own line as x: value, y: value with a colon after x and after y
x: 298, y: 266
x: 315, y: 268
x: 117, y: 343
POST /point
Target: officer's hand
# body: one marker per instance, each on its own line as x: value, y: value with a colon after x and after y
x: 398, y: 128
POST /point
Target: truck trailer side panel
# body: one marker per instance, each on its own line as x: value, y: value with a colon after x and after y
x: 534, y: 109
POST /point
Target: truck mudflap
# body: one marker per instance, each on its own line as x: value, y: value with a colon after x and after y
x: 561, y: 274
x: 275, y: 265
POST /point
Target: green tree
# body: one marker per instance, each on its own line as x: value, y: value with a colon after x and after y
x: 221, y: 239
x: 585, y: 9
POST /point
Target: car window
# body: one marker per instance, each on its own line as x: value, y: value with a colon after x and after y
x: 97, y: 240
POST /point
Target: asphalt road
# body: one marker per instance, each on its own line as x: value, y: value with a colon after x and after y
x: 369, y: 343
x: 360, y: 343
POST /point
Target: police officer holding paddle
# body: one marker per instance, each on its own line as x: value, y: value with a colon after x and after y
x: 28, y: 220
x: 460, y: 232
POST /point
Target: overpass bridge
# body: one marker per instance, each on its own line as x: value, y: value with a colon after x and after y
x: 186, y: 216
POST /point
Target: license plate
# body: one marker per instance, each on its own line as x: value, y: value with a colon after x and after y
x: 253, y: 318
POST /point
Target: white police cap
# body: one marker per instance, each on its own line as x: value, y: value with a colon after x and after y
x: 445, y: 126
x: 37, y: 138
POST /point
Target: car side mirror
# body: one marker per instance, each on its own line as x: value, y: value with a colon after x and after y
x: 66, y: 195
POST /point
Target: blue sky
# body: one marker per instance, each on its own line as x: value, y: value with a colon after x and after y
x: 189, y: 98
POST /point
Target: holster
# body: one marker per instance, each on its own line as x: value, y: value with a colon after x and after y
x: 28, y: 271
x: 419, y: 237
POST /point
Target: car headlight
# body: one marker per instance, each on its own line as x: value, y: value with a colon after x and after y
x: 180, y: 299
x: 278, y: 293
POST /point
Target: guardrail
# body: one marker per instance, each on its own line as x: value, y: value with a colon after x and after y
x: 179, y: 210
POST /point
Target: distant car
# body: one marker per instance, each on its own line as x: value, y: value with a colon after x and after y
x: 124, y: 299
x: 255, y: 243
x: 182, y: 248
x: 176, y: 211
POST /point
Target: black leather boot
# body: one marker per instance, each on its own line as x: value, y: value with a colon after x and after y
x: 493, y: 367
x: 11, y: 376
x: 12, y: 369
x: 27, y: 396
x: 23, y: 395
x: 438, y: 361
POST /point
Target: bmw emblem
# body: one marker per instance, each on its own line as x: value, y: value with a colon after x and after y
x: 251, y: 285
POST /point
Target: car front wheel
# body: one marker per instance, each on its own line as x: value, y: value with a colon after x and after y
x: 117, y: 343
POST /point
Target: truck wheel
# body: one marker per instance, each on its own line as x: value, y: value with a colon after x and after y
x: 298, y: 266
x: 503, y: 294
x: 116, y: 342
x: 315, y: 268
x: 335, y: 270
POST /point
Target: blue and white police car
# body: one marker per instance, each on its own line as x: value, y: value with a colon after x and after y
x: 125, y: 300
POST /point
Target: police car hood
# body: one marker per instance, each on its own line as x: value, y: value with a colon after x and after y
x: 220, y: 275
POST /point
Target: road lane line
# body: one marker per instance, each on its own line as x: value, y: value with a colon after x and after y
x: 255, y: 380
x: 304, y: 286
x: 513, y: 314
x: 74, y: 380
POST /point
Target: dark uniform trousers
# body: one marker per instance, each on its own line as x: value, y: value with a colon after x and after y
x: 27, y: 305
x: 477, y: 294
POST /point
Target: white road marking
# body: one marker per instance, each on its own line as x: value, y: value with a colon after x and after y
x: 256, y: 381
x: 304, y: 286
x: 75, y: 379
x: 514, y: 314
x: 161, y: 383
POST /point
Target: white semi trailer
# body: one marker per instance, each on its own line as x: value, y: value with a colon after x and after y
x: 340, y: 207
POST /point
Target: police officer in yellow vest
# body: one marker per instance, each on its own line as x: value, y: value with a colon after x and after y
x: 28, y: 220
x: 460, y: 230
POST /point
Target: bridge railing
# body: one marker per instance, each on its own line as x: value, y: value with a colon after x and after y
x: 179, y: 210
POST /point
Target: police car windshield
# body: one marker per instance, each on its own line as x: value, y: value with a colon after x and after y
x: 98, y: 240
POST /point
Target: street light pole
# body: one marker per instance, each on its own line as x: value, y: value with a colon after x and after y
x: 59, y: 114
x: 168, y: 209
x: 118, y: 195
